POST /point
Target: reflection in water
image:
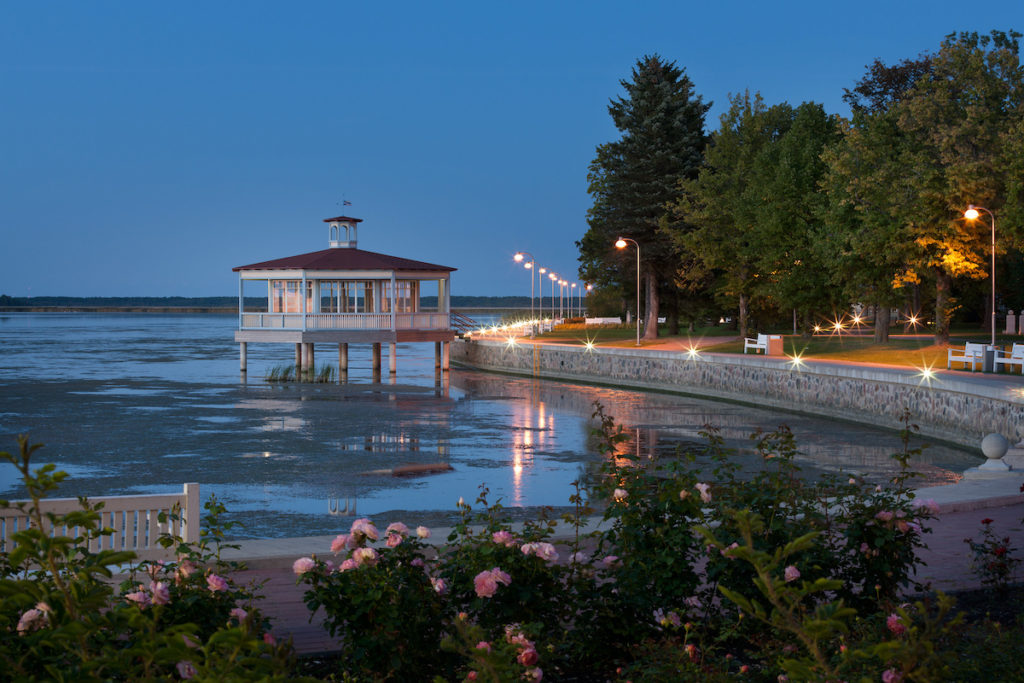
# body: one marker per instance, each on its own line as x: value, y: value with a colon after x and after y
x: 138, y: 404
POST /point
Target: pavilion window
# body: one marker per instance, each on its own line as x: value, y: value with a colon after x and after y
x: 286, y: 297
x: 406, y: 296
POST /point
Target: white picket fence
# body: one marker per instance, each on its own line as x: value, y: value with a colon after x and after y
x: 133, y: 519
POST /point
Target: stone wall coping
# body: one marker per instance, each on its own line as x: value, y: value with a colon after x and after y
x: 1008, y: 388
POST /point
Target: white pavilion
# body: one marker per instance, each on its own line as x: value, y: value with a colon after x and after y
x: 343, y: 295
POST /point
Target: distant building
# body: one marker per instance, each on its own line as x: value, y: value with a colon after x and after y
x: 343, y: 295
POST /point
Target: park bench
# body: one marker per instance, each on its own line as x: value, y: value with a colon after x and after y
x: 972, y: 353
x: 1015, y: 357
x: 133, y: 520
x: 760, y: 343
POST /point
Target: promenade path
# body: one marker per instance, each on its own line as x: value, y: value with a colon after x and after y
x: 946, y: 561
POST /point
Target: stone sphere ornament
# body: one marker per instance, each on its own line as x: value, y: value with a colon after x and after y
x: 994, y: 446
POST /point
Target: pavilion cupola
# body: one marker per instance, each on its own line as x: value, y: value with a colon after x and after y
x: 346, y: 224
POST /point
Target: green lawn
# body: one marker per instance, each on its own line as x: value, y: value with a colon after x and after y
x: 913, y: 351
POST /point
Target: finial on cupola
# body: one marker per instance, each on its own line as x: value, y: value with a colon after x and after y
x: 349, y: 225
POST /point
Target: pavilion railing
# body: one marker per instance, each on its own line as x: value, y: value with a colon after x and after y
x: 430, y: 320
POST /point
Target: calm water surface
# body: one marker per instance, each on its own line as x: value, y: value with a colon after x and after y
x: 141, y: 403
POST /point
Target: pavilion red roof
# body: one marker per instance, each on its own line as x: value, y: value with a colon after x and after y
x: 344, y: 259
x: 341, y: 219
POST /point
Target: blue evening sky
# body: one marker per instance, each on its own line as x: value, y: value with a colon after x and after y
x: 147, y: 148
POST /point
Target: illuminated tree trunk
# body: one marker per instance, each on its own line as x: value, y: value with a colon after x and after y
x: 943, y: 305
x: 651, y: 321
x: 881, y: 323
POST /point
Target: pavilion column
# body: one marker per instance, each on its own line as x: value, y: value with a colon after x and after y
x: 376, y: 358
x: 446, y: 355
x: 392, y: 357
x: 310, y: 360
x: 242, y: 355
x: 298, y: 357
x: 437, y: 354
x: 342, y: 357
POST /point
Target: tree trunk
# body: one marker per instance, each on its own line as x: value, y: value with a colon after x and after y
x: 651, y: 322
x: 881, y: 324
x: 744, y: 313
x: 943, y: 305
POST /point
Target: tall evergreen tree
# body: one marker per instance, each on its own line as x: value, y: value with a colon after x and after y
x: 635, y: 178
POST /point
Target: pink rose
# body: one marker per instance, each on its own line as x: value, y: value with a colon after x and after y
x: 883, y: 515
x: 364, y: 528
x: 471, y: 676
x: 139, y: 597
x: 269, y: 639
x: 791, y: 574
x: 891, y: 676
x: 365, y: 556
x: 684, y: 494
x: 527, y: 657
x: 186, y: 669
x: 423, y: 532
x: 486, y: 582
x: 620, y: 494
x: 705, y: 492
x: 483, y: 645
x: 394, y: 540
x: 339, y: 543
x: 504, y: 538
x: 439, y: 585
x: 610, y: 561
x: 161, y: 593
x: 303, y: 565
x: 33, y: 620
x: 546, y: 552
x: 928, y: 504
x: 217, y: 583
x: 895, y: 625
x: 239, y: 614
x: 347, y: 564
x: 185, y: 569
x: 535, y: 674
x: 397, y: 528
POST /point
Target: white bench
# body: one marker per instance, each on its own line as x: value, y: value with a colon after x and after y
x: 972, y: 353
x: 760, y: 343
x: 133, y: 519
x: 1015, y: 357
x: 602, y: 321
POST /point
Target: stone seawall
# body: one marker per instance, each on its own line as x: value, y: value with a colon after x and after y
x: 953, y: 407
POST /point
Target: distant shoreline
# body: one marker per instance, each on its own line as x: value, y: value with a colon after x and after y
x: 220, y: 310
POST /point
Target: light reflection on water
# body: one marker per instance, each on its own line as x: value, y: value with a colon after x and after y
x: 142, y: 403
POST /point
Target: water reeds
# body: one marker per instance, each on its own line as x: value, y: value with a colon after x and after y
x: 288, y: 372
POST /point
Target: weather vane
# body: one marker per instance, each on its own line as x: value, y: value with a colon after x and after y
x: 344, y: 202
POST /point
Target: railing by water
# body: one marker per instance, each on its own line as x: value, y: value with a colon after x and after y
x: 345, y: 321
x: 134, y: 521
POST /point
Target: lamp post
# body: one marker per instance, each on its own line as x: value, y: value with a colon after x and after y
x: 972, y: 214
x: 530, y: 266
x: 561, y: 298
x: 540, y: 283
x: 590, y: 288
x: 621, y: 244
x: 554, y: 278
x: 572, y: 286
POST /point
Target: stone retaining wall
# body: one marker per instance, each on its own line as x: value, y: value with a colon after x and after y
x: 948, y: 407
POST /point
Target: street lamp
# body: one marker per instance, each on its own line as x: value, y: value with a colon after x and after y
x: 554, y: 278
x: 561, y: 298
x: 572, y: 286
x: 529, y: 265
x: 590, y: 288
x: 972, y: 214
x: 621, y: 244
x: 540, y: 283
